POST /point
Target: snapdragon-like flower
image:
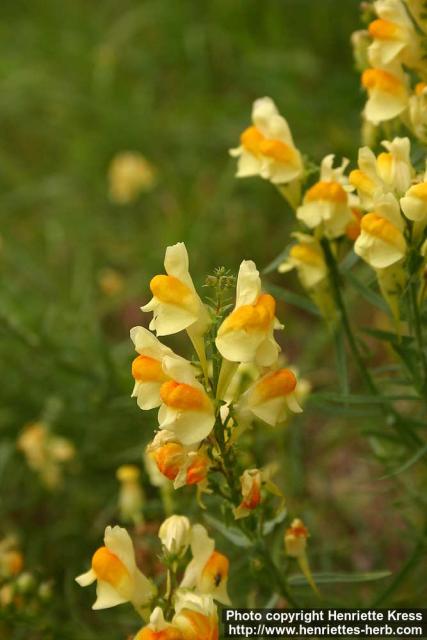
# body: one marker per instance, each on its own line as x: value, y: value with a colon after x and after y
x: 175, y: 304
x: 394, y: 165
x: 387, y: 93
x: 366, y: 178
x: 273, y: 396
x: 129, y: 175
x: 327, y: 201
x: 414, y: 202
x: 159, y: 629
x: 186, y: 410
x: 418, y: 111
x: 118, y: 578
x: 250, y: 482
x: 147, y: 368
x: 393, y: 34
x: 296, y: 545
x: 131, y: 497
x: 175, y: 533
x: 246, y: 335
x: 183, y: 465
x: 207, y: 572
x: 195, y: 616
x: 267, y: 148
x: 306, y: 256
x: 381, y: 242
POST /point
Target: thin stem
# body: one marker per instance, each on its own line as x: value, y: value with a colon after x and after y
x: 418, y: 332
x: 396, y: 421
x: 335, y: 282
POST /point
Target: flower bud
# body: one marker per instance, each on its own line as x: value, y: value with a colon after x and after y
x: 296, y: 539
x: 174, y: 534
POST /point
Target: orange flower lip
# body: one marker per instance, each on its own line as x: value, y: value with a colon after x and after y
x: 197, y: 470
x: 256, y: 143
x: 275, y: 384
x: 248, y: 317
x: 420, y: 87
x: 326, y: 190
x: 306, y: 254
x: 361, y: 181
x: 184, y: 397
x: 216, y: 568
x: 171, y: 290
x: 251, y: 139
x: 381, y: 228
x: 108, y: 567
x: 384, y: 30
x: 169, y: 459
x: 382, y: 80
x: 196, y: 626
x: 146, y: 369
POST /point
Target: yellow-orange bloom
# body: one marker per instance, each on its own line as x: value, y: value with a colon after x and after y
x: 266, y: 148
x: 196, y: 616
x: 114, y: 569
x: 272, y: 396
x: 381, y: 242
x: 388, y: 94
x: 246, y: 335
x: 250, y: 481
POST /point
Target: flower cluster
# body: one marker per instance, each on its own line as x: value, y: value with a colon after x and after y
x: 186, y: 610
x: 198, y: 418
x: 380, y: 209
x: 45, y: 453
x: 390, y: 54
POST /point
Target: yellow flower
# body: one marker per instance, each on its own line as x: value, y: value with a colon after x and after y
x: 208, y: 570
x: 295, y: 545
x: 175, y: 304
x: 272, y: 396
x: 183, y: 465
x: 130, y: 174
x: 250, y: 482
x: 306, y: 256
x: 393, y: 34
x: 267, y: 148
x: 147, y: 367
x: 418, y: 111
x: 186, y: 409
x: 131, y: 497
x: 196, y: 616
x: 366, y: 179
x: 381, y: 242
x: 387, y: 93
x: 414, y: 203
x: 114, y: 569
x: 394, y: 166
x: 159, y: 629
x: 246, y: 335
x: 326, y: 202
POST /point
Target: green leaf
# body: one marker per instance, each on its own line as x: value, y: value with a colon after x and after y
x: 277, y: 260
x: 363, y: 399
x: 231, y: 533
x: 339, y: 578
x: 367, y: 293
x: 408, y: 464
x: 293, y: 298
x: 341, y: 358
x: 349, y: 261
x: 389, y: 336
x: 271, y: 524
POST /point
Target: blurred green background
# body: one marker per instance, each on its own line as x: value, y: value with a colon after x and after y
x: 80, y: 82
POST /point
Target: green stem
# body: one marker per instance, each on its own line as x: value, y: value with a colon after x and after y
x: 418, y: 333
x: 410, y: 437
x: 336, y: 289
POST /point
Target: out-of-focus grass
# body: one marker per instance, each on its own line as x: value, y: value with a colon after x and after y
x: 81, y: 81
